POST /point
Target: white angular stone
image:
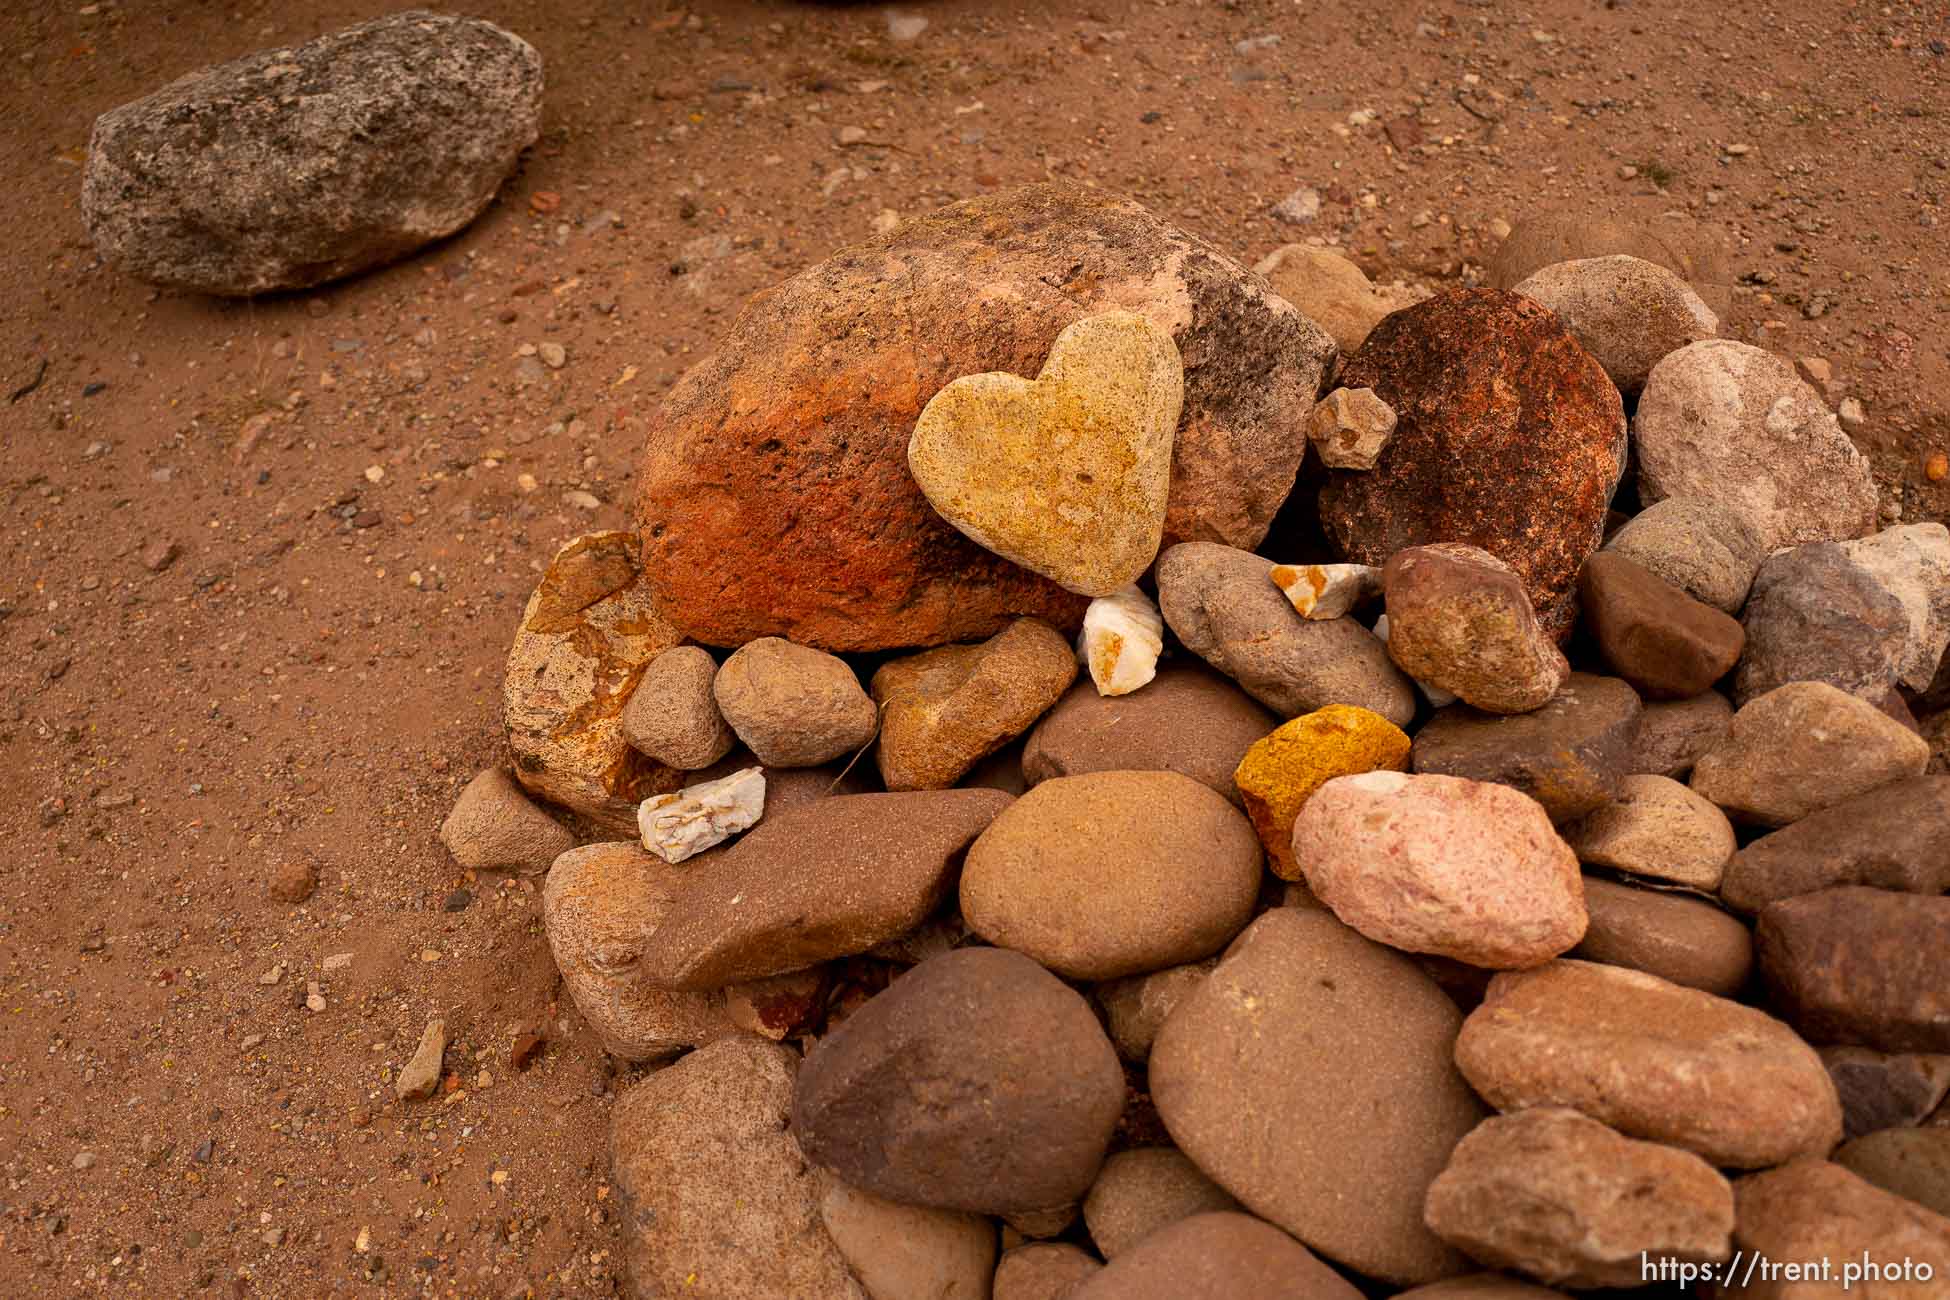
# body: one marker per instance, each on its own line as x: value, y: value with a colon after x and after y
x: 1320, y: 591
x: 686, y: 822
x: 1122, y: 637
x: 1350, y: 427
x: 1912, y: 563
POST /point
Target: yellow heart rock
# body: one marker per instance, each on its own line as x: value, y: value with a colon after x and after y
x: 1066, y: 474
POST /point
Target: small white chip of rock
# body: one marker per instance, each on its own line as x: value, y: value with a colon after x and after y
x: 1350, y: 428
x: 687, y: 822
x: 1319, y: 591
x: 1122, y: 637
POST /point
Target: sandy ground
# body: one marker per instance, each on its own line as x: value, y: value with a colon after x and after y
x: 316, y: 673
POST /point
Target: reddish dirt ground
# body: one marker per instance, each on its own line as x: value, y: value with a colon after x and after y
x: 317, y: 673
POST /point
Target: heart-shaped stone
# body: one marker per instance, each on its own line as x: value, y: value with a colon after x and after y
x: 1065, y: 474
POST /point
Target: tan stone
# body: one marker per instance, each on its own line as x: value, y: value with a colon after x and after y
x: 1673, y: 935
x: 494, y: 827
x: 793, y: 706
x: 1331, y: 291
x: 586, y: 636
x: 1042, y: 1272
x: 1142, y: 1190
x: 944, y: 710
x: 1220, y: 1256
x: 1135, y: 1007
x: 1067, y: 474
x: 1810, y: 1211
x: 1658, y: 829
x: 900, y: 1251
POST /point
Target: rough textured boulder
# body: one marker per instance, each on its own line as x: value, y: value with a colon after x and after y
x: 1310, y: 1076
x: 298, y: 165
x: 774, y: 494
x: 1860, y: 966
x: 978, y: 1081
x: 1814, y: 615
x: 1734, y: 424
x: 711, y: 1185
x: 1566, y: 1200
x: 1652, y: 1060
x: 588, y: 633
x: 1509, y: 437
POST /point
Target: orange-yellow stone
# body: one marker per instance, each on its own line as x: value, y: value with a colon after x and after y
x: 1281, y: 771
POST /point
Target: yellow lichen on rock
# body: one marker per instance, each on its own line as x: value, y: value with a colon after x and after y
x: 1282, y: 770
x: 1067, y: 474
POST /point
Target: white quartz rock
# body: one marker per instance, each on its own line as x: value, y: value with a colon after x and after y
x: 1326, y: 590
x: 1435, y: 695
x: 686, y: 822
x: 1122, y: 637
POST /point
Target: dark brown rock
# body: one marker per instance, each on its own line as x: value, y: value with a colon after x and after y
x: 1509, y: 437
x: 1188, y: 720
x: 1812, y: 1210
x: 774, y: 494
x: 978, y: 1081
x: 1221, y: 1256
x: 1666, y: 644
x: 823, y: 880
x: 1886, y: 1089
x: 1816, y: 615
x: 1672, y: 935
x: 944, y: 710
x: 1570, y: 755
x: 1651, y: 1059
x: 1672, y: 734
x: 1310, y: 1076
x: 1862, y: 966
x: 1897, y: 836
x: 1565, y: 1200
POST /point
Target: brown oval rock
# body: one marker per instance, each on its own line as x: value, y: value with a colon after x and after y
x: 1666, y: 644
x: 1310, y: 1077
x: 1675, y: 936
x: 494, y: 827
x: 1862, y: 966
x: 588, y: 631
x: 599, y: 905
x: 1042, y: 1272
x: 711, y: 1185
x: 977, y: 1081
x: 1509, y: 437
x: 1801, y: 748
x: 1459, y: 621
x: 1657, y: 829
x: 1627, y: 312
x: 1570, y: 755
x: 1220, y: 602
x: 1672, y: 734
x: 1897, y: 836
x: 1113, y: 873
x: 1813, y: 1211
x: 1437, y: 864
x: 1221, y: 1256
x: 1143, y: 1190
x: 828, y: 879
x: 791, y: 705
x: 1187, y: 720
x: 672, y: 715
x: 1562, y: 1198
x: 774, y: 495
x: 944, y: 710
x: 1653, y: 1060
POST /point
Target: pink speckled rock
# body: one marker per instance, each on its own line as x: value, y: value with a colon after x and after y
x: 1441, y: 864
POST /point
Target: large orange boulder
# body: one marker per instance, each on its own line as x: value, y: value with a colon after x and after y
x: 774, y: 496
x: 1509, y: 436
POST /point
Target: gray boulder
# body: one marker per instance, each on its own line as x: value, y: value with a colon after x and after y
x: 298, y: 165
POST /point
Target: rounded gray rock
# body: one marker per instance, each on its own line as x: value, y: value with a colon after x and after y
x: 494, y: 827
x: 294, y: 166
x: 672, y: 715
x: 793, y: 706
x: 1628, y: 312
x: 1703, y: 547
x: 1815, y: 615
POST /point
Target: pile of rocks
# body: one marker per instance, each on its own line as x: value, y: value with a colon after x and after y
x: 1033, y: 891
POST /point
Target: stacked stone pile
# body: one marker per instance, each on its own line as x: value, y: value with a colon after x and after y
x: 1033, y: 890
